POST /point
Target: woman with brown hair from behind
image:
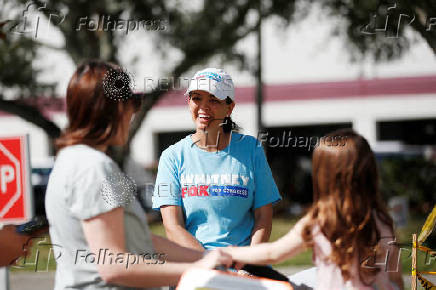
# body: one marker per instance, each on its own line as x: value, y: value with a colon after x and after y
x: 99, y: 229
x: 348, y: 225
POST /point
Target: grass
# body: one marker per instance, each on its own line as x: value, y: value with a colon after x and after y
x: 424, y: 263
x: 41, y: 257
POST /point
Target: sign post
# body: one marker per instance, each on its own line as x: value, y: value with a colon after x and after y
x: 4, y: 278
x: 16, y: 205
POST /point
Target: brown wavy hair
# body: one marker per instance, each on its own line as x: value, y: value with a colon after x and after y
x: 345, y: 196
x: 93, y: 113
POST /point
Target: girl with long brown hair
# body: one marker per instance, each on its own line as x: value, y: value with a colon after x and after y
x: 348, y: 226
x: 99, y: 231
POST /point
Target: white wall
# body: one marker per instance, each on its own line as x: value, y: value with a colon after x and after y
x: 39, y: 146
x: 362, y: 112
x: 39, y: 149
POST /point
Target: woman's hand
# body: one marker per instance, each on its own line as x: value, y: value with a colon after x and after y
x: 244, y: 273
x: 236, y: 264
x: 213, y: 259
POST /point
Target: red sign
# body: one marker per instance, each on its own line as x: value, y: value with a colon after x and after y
x: 15, y: 188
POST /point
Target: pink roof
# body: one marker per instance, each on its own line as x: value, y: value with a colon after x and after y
x: 49, y: 105
x: 363, y: 88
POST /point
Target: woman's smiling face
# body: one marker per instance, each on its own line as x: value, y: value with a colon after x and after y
x: 207, y: 111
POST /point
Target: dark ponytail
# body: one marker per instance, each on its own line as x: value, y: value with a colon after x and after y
x: 228, y: 124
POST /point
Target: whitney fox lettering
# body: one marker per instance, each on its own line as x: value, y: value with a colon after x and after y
x: 204, y: 185
x: 213, y: 179
x: 208, y: 185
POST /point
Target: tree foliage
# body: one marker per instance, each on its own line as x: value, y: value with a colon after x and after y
x: 410, y: 176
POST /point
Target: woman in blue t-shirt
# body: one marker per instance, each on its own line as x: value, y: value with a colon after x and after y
x: 214, y: 188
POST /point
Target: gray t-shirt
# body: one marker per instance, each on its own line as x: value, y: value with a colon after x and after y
x: 84, y: 183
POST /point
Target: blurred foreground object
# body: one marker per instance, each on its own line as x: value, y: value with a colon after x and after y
x: 427, y: 228
x: 212, y: 279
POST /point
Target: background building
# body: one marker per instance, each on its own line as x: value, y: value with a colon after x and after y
x: 396, y: 115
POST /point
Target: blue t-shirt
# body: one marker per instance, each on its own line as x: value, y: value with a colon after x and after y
x: 218, y: 191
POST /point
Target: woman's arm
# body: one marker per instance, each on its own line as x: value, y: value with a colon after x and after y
x: 262, y: 224
x: 174, y: 252
x: 174, y: 224
x: 106, y: 231
x: 271, y: 253
x: 12, y: 245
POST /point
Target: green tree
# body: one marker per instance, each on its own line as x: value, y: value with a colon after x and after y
x: 410, y: 176
x: 19, y: 76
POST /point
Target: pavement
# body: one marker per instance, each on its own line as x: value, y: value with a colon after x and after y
x: 45, y: 280
x: 31, y: 280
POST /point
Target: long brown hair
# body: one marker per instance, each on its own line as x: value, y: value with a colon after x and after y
x: 93, y: 113
x: 345, y: 195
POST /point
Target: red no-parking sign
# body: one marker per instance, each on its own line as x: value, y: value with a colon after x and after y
x: 15, y: 188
